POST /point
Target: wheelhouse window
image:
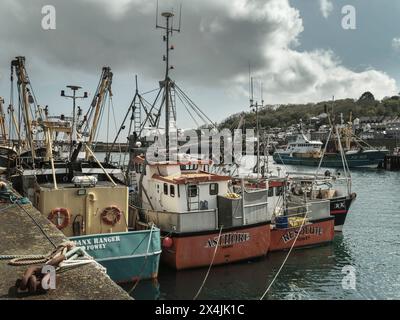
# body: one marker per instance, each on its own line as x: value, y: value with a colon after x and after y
x: 279, y: 191
x: 192, y: 191
x: 271, y: 192
x: 165, y: 188
x: 172, y: 190
x: 189, y: 167
x: 213, y: 189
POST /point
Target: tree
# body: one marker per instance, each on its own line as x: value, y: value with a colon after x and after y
x: 367, y: 96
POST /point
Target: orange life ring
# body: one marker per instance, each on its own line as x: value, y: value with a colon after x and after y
x: 56, y: 213
x: 111, y: 215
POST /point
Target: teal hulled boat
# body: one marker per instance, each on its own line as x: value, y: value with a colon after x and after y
x: 127, y: 256
x: 355, y: 159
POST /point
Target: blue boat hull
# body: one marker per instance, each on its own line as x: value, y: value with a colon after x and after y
x: 366, y: 159
x: 127, y: 256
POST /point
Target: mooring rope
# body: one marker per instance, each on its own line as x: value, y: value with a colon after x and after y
x: 209, y: 268
x: 25, y: 258
x: 38, y: 225
x: 6, y: 208
x: 7, y: 193
x: 145, y: 261
x: 286, y: 258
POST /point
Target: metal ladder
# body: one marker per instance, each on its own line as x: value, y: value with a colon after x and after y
x: 172, y: 107
x: 137, y: 116
x: 193, y: 200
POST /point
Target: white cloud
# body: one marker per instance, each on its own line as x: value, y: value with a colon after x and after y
x: 326, y: 7
x: 218, y: 40
x: 396, y: 44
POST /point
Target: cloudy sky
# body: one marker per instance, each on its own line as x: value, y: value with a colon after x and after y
x: 298, y: 49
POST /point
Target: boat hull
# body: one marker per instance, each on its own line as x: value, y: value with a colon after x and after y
x: 127, y: 256
x: 339, y: 208
x: 236, y: 244
x: 313, y: 234
x: 366, y: 159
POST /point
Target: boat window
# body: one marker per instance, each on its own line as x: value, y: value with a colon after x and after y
x: 165, y: 188
x: 192, y: 191
x: 172, y: 190
x: 158, y: 188
x: 189, y: 167
x: 271, y: 192
x: 213, y: 189
x: 279, y: 191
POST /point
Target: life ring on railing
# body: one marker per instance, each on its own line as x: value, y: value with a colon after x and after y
x: 111, y: 215
x: 55, y: 215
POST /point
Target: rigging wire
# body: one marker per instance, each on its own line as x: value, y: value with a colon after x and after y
x: 194, y: 105
x: 323, y: 153
x: 147, y: 92
x: 195, y: 110
x: 190, y: 114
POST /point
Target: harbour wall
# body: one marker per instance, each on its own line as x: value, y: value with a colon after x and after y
x: 25, y: 231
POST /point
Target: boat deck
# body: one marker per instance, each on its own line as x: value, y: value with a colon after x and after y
x: 21, y: 236
x: 184, y: 178
x: 69, y: 185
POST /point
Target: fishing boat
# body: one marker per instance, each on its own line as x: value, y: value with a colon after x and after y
x: 295, y: 222
x: 302, y: 225
x: 81, y: 196
x: 336, y: 189
x: 201, y: 220
x: 305, y: 152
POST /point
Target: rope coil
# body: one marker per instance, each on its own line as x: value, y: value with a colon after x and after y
x: 63, y: 257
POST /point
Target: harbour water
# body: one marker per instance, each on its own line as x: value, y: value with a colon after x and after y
x: 370, y: 243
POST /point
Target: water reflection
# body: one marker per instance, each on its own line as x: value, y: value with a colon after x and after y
x: 144, y: 290
x: 304, y: 271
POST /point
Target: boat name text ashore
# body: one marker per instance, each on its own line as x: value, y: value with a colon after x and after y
x: 228, y: 239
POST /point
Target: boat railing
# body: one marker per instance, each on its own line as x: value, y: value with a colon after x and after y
x: 185, y: 221
x: 316, y: 209
x: 292, y: 212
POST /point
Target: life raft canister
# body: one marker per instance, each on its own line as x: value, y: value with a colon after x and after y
x: 111, y: 215
x: 54, y: 217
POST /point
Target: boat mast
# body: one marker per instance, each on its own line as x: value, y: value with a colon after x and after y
x: 258, y: 147
x: 97, y: 104
x: 3, y: 127
x: 255, y: 108
x: 73, y: 135
x: 167, y: 83
x: 19, y: 65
